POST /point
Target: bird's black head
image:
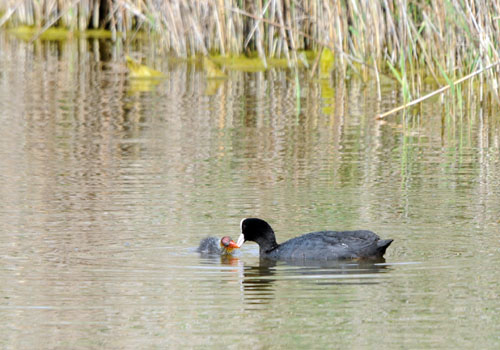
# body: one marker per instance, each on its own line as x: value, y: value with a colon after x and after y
x: 259, y: 231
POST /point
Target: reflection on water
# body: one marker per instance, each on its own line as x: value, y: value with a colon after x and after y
x: 258, y: 284
x: 258, y: 281
x: 107, y: 187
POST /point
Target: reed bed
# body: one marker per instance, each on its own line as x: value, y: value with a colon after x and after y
x: 417, y: 41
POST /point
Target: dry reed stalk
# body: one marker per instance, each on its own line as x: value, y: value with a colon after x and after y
x: 49, y: 24
x: 320, y: 43
x: 432, y: 36
x: 436, y: 92
x: 221, y: 28
x: 9, y: 12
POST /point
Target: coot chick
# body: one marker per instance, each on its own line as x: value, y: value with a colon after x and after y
x: 215, y: 246
x: 323, y: 245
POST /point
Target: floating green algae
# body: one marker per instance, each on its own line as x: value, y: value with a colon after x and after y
x: 326, y: 63
x: 28, y: 33
x: 96, y: 34
x: 213, y: 72
x: 241, y: 63
x: 141, y: 71
x: 252, y: 62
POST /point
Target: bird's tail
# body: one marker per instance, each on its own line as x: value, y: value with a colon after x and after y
x: 382, y: 246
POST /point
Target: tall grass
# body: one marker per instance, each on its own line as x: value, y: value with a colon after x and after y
x: 419, y: 39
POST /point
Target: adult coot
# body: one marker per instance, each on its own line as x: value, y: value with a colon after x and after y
x: 213, y: 245
x: 323, y: 245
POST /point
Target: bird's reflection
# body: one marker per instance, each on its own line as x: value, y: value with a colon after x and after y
x: 259, y: 280
x: 214, y: 259
x: 229, y: 260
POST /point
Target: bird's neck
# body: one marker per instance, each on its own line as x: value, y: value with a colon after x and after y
x: 267, y: 243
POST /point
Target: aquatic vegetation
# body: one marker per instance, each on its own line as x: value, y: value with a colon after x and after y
x: 26, y: 33
x: 213, y: 72
x: 29, y: 33
x: 413, y: 41
x: 141, y: 71
x: 326, y: 62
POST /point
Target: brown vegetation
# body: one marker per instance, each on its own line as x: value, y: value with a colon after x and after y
x: 435, y: 41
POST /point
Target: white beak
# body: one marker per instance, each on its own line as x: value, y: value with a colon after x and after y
x: 241, y: 240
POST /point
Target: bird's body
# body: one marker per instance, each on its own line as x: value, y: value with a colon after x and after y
x: 216, y: 246
x: 330, y: 245
x: 322, y: 245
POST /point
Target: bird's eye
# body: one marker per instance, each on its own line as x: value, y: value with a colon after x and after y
x: 225, y: 241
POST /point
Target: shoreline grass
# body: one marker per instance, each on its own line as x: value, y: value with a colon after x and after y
x: 412, y: 40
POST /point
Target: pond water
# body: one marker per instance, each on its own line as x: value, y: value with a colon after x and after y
x: 108, y: 185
